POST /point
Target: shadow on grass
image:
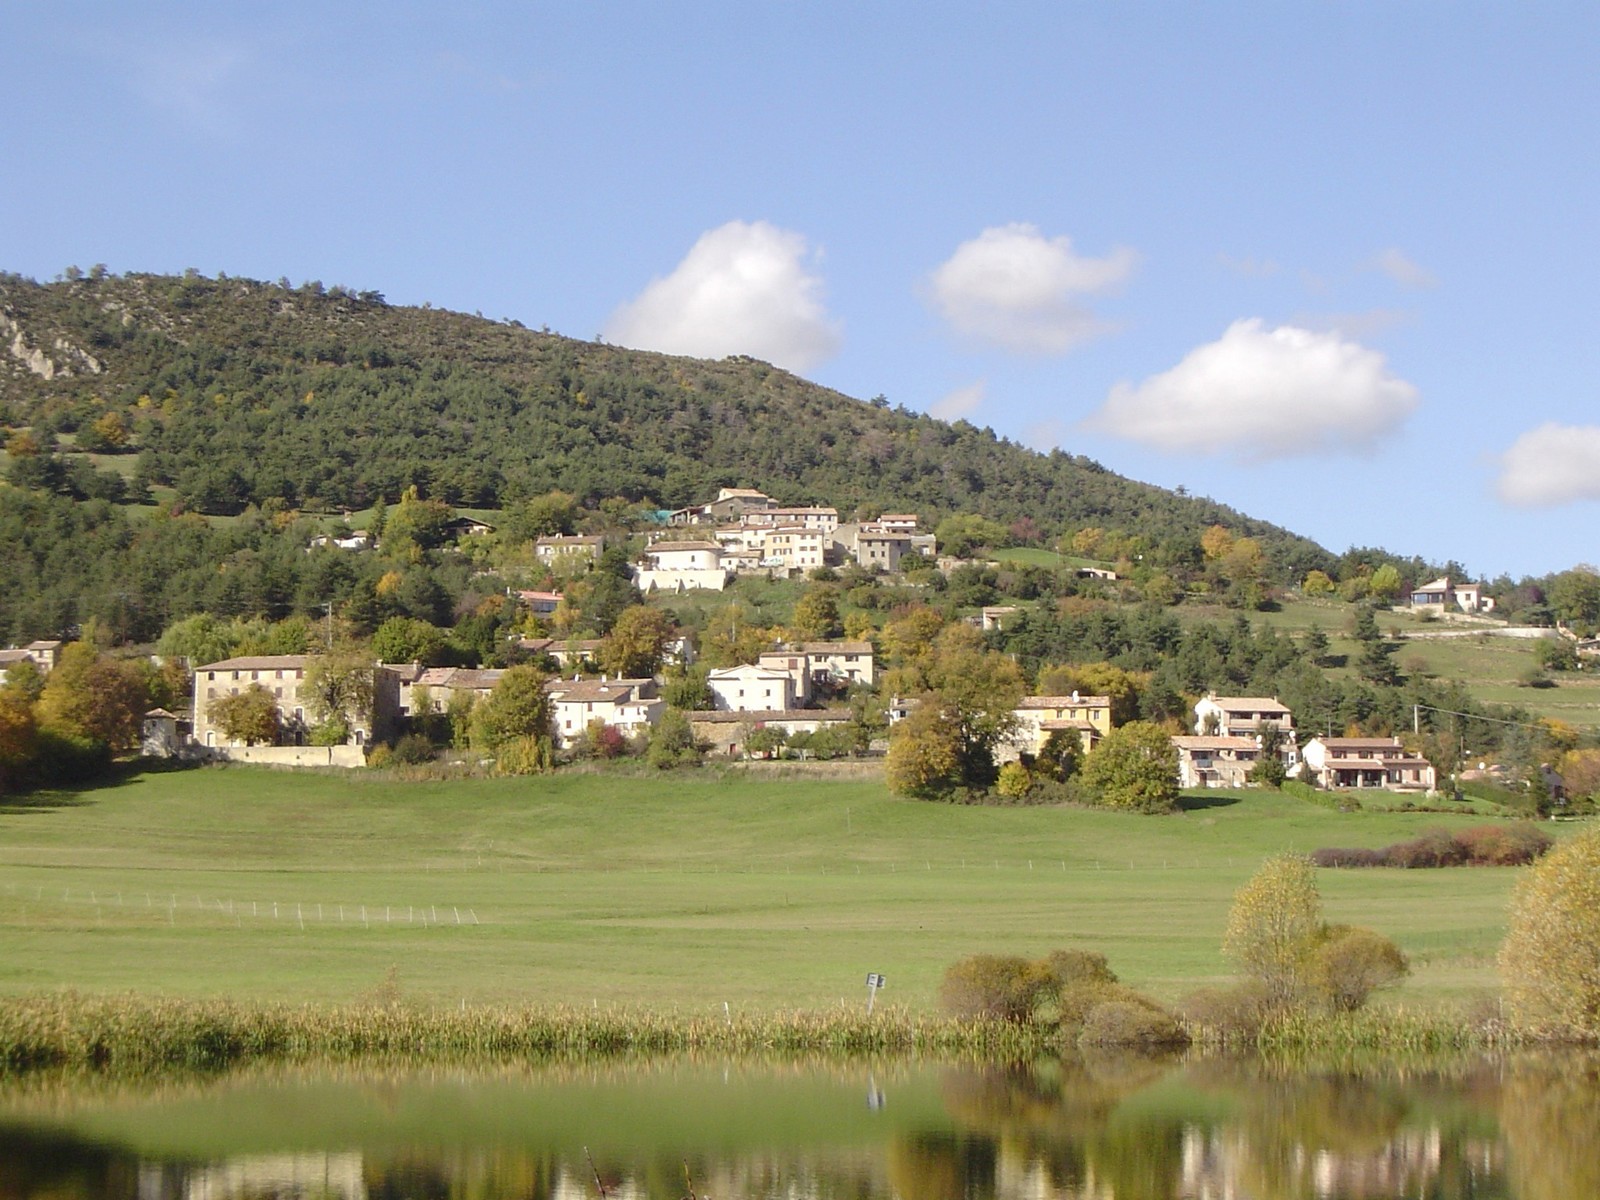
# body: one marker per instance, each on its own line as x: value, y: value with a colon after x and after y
x: 1206, y: 800
x: 48, y: 798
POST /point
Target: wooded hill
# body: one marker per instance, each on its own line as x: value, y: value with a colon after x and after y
x: 233, y: 392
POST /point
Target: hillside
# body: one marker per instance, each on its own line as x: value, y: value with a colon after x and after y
x: 234, y: 392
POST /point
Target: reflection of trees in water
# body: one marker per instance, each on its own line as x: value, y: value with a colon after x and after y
x: 1057, y: 1128
x: 63, y: 1168
x: 1550, y: 1114
x: 1299, y: 1130
x: 1242, y: 1128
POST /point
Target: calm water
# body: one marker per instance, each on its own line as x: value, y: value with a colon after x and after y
x: 1107, y: 1129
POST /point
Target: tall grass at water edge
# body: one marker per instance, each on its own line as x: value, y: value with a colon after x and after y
x: 133, y: 1034
x: 130, y: 1033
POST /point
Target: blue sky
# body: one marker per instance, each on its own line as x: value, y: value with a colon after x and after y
x: 1331, y: 264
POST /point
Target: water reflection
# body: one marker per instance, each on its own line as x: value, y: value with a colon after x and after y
x: 1095, y: 1129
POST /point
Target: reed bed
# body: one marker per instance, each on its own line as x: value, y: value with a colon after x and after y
x: 140, y: 1034
x: 1385, y: 1031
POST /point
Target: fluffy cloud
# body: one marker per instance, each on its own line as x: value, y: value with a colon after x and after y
x: 1553, y: 464
x: 1263, y: 393
x: 744, y: 288
x: 1015, y: 288
x: 1393, y: 263
x: 960, y: 402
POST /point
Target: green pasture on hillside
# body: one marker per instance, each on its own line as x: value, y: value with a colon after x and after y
x: 691, y: 890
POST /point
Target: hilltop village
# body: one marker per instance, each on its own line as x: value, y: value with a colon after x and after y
x: 838, y: 678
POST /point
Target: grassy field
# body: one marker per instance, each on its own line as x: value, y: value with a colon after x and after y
x: 686, y: 891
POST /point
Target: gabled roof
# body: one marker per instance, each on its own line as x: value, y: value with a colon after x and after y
x: 757, y: 716
x: 594, y: 691
x: 836, y: 647
x: 1192, y: 743
x: 259, y: 662
x: 660, y: 547
x: 1248, y: 703
x: 460, y: 678
x: 1063, y: 702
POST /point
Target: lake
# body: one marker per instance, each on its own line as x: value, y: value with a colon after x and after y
x: 1107, y: 1128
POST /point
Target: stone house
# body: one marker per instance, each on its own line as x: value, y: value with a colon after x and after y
x: 1332, y: 762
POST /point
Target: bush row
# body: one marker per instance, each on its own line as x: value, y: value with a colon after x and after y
x: 1481, y: 846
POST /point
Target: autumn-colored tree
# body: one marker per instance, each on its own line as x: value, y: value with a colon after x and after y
x: 1274, y: 927
x: 1120, y: 686
x: 111, y: 430
x: 976, y: 691
x: 518, y: 707
x: 337, y: 690
x: 1550, y: 960
x: 816, y: 615
x: 1349, y: 964
x: 18, y: 734
x: 1005, y: 987
x: 733, y: 636
x: 1216, y: 541
x: 1316, y: 584
x: 924, y: 755
x: 908, y: 638
x: 1087, y: 542
x: 94, y: 696
x: 637, y: 642
x: 250, y: 716
x: 1135, y: 767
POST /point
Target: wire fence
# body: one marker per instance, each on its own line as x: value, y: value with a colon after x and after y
x: 304, y: 913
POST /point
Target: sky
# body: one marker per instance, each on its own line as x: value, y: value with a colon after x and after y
x: 1331, y: 264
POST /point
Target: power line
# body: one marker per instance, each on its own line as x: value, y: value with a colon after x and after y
x: 1450, y: 712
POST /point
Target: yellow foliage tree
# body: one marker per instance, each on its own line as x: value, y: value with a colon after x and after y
x: 1274, y: 927
x: 1550, y: 961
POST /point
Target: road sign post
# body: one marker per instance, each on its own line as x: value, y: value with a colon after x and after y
x: 874, y: 982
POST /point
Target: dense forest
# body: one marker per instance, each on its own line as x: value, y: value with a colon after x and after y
x: 233, y: 392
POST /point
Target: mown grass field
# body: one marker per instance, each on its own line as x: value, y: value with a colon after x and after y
x: 689, y: 891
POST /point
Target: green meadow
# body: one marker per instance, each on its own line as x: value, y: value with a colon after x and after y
x: 687, y: 891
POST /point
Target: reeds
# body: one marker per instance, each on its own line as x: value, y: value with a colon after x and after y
x: 136, y: 1033
x: 1392, y: 1030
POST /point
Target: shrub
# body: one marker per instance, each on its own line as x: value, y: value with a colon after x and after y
x: 413, y: 749
x: 1006, y: 987
x: 1069, y: 968
x: 526, y: 755
x: 1504, y: 845
x: 1550, y: 960
x: 1351, y: 964
x: 1434, y: 848
x: 1131, y: 1022
x: 379, y: 756
x: 1014, y: 781
x: 1235, y: 1013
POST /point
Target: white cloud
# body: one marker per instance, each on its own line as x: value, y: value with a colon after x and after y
x: 744, y: 288
x: 1553, y: 464
x: 960, y: 402
x: 1015, y: 288
x: 1393, y: 263
x: 1263, y: 393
